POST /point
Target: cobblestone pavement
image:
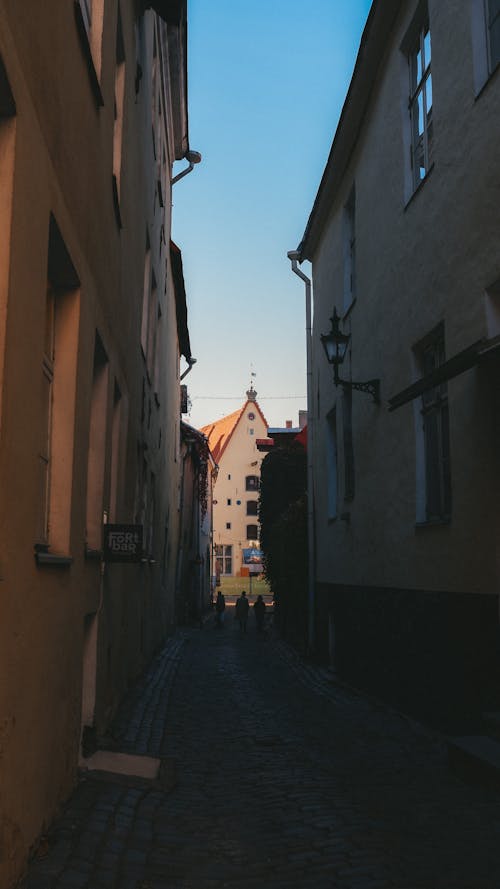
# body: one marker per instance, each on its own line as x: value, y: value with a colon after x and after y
x: 277, y: 777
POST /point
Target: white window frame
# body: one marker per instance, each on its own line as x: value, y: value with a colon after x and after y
x: 420, y: 104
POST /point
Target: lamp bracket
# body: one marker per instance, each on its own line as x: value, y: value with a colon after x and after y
x: 371, y: 387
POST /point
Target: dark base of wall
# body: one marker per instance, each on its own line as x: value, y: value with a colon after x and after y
x: 435, y: 655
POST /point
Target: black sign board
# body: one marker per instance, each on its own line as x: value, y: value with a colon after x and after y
x: 122, y: 543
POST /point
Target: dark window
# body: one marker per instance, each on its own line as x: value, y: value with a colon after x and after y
x: 493, y: 26
x: 348, y: 446
x: 228, y: 526
x: 252, y: 483
x: 436, y: 436
x: 229, y: 501
x: 252, y: 532
x: 252, y: 507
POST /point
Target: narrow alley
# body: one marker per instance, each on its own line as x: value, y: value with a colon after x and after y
x: 273, y: 775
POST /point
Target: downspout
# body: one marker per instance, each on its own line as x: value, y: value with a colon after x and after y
x: 294, y: 256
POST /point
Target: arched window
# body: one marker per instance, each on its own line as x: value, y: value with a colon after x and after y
x: 252, y: 506
x: 252, y: 532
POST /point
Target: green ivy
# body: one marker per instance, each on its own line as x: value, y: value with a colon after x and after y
x: 283, y: 536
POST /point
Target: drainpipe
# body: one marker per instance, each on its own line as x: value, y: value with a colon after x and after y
x: 193, y: 157
x: 191, y: 361
x: 294, y: 257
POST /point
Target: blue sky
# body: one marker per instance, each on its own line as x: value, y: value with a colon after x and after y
x: 266, y: 84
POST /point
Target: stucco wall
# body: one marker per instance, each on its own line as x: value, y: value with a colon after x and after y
x: 241, y: 458
x: 79, y: 627
x: 417, y: 264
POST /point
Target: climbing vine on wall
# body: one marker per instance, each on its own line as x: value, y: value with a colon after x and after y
x: 203, y: 456
x: 283, y: 535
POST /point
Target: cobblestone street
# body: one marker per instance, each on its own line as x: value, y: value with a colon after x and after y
x: 275, y: 776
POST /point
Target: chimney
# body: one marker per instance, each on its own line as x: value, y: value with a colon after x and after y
x: 302, y: 419
x: 288, y: 424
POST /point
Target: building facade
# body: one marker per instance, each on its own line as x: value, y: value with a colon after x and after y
x: 233, y: 443
x: 194, y: 556
x: 93, y: 116
x: 403, y: 239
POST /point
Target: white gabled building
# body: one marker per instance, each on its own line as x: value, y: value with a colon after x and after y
x: 233, y: 443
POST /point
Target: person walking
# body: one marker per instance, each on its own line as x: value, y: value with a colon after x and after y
x: 241, y: 610
x: 220, y: 607
x: 259, y: 609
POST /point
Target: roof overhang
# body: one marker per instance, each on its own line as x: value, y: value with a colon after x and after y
x: 380, y: 22
x: 169, y: 10
x: 455, y: 366
x: 173, y: 39
x: 180, y: 301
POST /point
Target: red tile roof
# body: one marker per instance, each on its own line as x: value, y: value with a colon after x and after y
x: 220, y: 432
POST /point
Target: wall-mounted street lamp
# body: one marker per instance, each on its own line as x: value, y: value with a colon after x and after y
x: 335, y: 344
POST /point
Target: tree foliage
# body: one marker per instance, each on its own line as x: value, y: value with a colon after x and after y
x: 283, y: 535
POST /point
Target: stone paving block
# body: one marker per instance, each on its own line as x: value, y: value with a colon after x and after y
x: 282, y: 779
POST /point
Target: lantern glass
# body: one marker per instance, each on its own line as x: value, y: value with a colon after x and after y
x: 335, y: 342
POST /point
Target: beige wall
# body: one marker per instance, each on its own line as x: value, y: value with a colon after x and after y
x: 417, y: 264
x: 241, y: 458
x: 73, y: 627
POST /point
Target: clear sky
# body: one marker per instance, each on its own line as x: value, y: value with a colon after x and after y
x: 266, y: 84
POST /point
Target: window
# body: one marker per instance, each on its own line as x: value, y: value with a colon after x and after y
x: 348, y: 445
x: 229, y: 501
x: 350, y: 250
x: 86, y: 7
x: 485, y: 22
x: 252, y: 532
x: 493, y: 32
x: 146, y: 291
x: 7, y: 153
x: 420, y: 103
x: 90, y: 20
x: 115, y: 452
x: 252, y: 483
x: 252, y: 507
x: 250, y: 431
x: 331, y: 459
x: 58, y: 376
x: 223, y: 559
x: 119, y: 101
x: 97, y: 447
x: 228, y: 526
x: 153, y: 317
x: 433, y: 440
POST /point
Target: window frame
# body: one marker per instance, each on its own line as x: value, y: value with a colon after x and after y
x: 490, y: 20
x: 434, y: 491
x: 419, y: 83
x: 254, y: 485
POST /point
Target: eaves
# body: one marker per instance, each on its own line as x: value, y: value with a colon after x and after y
x: 378, y: 28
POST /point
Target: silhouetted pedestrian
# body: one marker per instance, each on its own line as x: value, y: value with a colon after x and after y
x: 241, y: 611
x: 259, y: 609
x: 220, y: 607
